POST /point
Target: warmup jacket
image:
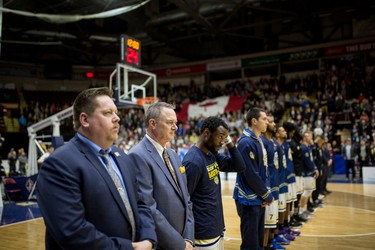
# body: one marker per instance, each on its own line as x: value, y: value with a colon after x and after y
x: 307, y: 162
x: 250, y: 188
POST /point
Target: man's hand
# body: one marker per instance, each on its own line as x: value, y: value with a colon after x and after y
x: 330, y: 162
x: 228, y: 142
x: 188, y: 246
x: 142, y: 245
x: 316, y: 174
x: 265, y: 203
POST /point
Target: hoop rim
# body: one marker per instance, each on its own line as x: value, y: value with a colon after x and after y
x: 147, y: 100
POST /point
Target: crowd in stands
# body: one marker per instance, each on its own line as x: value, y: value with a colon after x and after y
x: 342, y: 92
x: 322, y: 104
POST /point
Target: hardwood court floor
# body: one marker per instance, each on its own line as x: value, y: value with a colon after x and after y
x: 346, y: 222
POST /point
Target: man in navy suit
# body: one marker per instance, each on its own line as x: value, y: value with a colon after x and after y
x: 80, y: 202
x: 164, y: 188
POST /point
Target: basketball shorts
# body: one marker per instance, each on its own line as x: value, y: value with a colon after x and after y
x: 299, y: 184
x: 282, y: 202
x: 271, y: 216
x: 291, y: 195
x: 309, y: 183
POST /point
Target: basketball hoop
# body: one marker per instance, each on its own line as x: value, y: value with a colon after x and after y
x: 145, y: 102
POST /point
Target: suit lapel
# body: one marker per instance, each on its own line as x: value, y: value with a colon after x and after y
x: 162, y: 166
x: 98, y: 165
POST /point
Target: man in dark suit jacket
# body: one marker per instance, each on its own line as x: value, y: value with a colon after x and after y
x: 80, y: 203
x: 164, y: 190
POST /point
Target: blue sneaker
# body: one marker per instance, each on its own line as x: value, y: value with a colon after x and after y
x: 275, y: 245
x: 289, y: 237
x: 288, y: 230
x: 280, y: 239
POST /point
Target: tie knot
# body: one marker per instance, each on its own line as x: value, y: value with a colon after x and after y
x: 165, y: 153
x: 104, y: 155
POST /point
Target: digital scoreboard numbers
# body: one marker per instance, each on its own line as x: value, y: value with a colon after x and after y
x: 130, y: 51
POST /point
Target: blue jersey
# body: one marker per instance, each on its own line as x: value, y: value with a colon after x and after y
x: 308, y: 164
x: 273, y: 172
x: 283, y: 185
x: 250, y: 188
x: 290, y: 174
x: 204, y: 186
x: 295, y: 148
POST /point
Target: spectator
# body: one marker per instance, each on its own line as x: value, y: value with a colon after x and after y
x: 50, y: 150
x: 12, y: 160
x: 363, y: 155
x: 349, y: 152
x: 22, y: 161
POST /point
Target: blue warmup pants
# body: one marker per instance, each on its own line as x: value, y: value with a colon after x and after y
x: 252, y: 226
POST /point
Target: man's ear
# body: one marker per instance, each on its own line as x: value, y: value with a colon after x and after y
x: 206, y: 132
x: 254, y: 121
x: 83, y: 119
x: 152, y: 123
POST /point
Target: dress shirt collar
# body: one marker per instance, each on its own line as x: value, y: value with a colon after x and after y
x: 95, y: 148
x: 158, y: 147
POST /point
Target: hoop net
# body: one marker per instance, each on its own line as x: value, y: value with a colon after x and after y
x: 147, y: 101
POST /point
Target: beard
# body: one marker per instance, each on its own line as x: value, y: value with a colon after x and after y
x: 210, y: 145
x: 112, y: 137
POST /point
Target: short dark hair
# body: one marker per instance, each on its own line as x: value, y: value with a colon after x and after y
x: 212, y: 123
x: 253, y: 112
x: 278, y: 126
x: 86, y: 102
x: 153, y: 112
x: 289, y: 126
x: 292, y: 127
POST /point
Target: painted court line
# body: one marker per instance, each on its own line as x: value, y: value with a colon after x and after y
x: 20, y: 222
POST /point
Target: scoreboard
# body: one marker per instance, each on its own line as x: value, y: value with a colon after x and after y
x: 130, y: 51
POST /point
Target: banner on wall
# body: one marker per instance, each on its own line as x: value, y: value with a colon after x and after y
x: 184, y: 70
x: 224, y: 65
x: 210, y: 107
x: 352, y: 48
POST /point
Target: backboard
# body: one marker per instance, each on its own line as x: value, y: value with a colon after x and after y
x: 130, y: 84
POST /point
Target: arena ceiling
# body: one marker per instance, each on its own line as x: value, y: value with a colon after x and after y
x: 170, y: 31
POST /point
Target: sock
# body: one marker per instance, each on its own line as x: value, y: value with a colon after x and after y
x: 301, y: 210
x: 286, y: 223
x: 296, y: 211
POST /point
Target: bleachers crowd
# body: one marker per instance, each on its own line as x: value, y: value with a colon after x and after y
x: 340, y: 93
x: 335, y: 105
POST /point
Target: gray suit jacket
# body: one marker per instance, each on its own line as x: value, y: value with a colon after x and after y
x: 172, y: 209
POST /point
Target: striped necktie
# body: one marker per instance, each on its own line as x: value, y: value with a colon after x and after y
x: 170, y: 168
